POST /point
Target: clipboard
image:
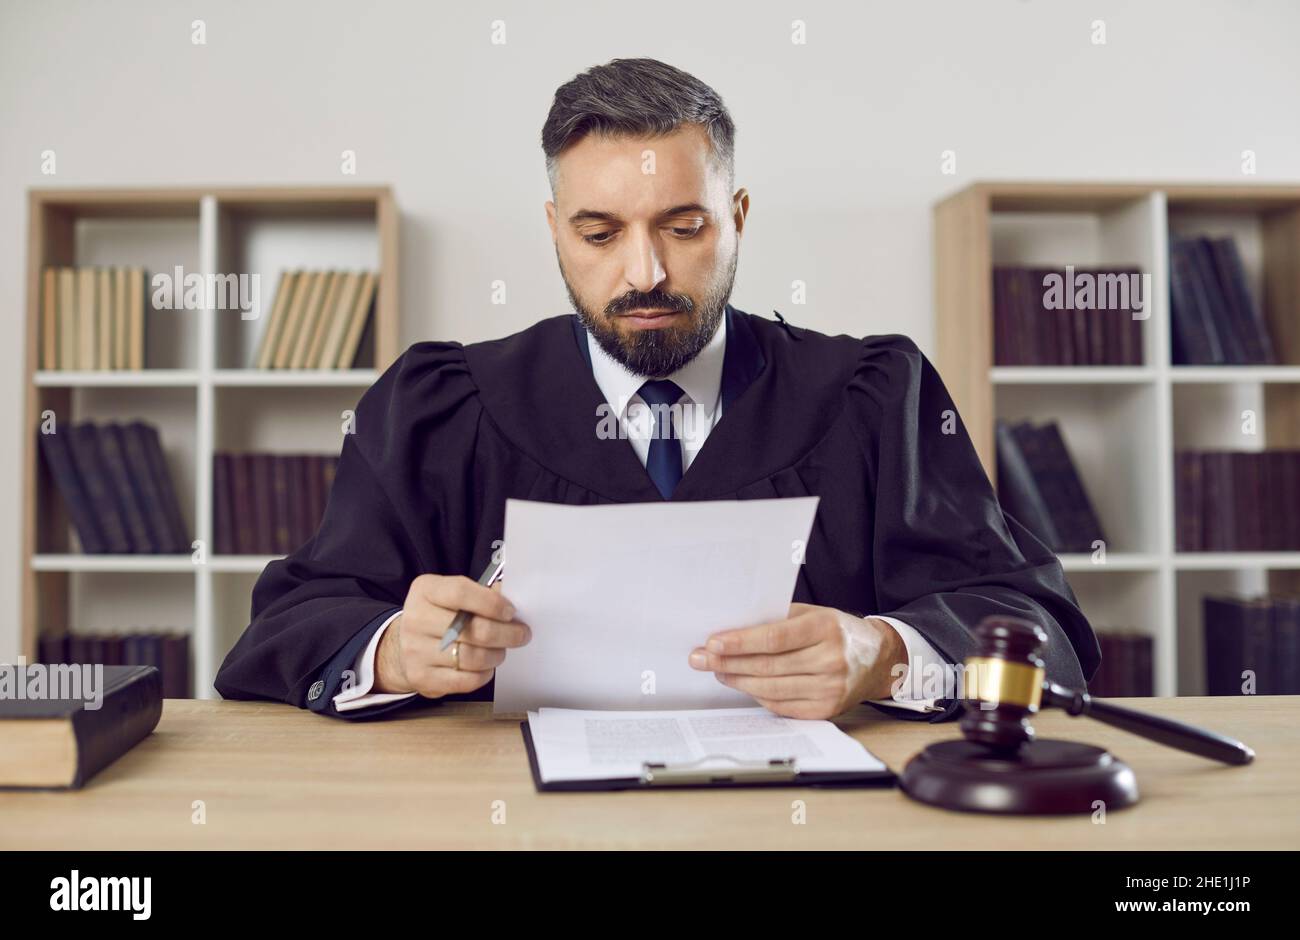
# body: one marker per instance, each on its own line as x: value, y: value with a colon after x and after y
x: 776, y: 773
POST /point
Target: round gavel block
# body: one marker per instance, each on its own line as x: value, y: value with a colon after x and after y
x: 1040, y: 778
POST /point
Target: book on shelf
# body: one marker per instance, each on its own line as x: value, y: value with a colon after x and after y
x: 1247, y: 637
x: 1039, y: 485
x: 92, y: 319
x: 1035, y: 326
x: 268, y: 504
x: 1215, y: 318
x: 318, y: 320
x: 1127, y: 665
x: 1237, y: 501
x: 113, y: 480
x: 168, y: 650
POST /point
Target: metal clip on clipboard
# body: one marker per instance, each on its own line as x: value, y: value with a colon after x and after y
x: 690, y: 772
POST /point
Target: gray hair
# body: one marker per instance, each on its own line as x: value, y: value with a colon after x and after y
x: 636, y: 97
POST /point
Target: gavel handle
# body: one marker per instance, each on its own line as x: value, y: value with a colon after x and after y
x: 1173, y: 733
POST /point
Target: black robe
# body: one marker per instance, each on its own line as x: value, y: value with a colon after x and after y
x: 908, y: 525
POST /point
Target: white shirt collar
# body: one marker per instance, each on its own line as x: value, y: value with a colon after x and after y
x: 700, y: 379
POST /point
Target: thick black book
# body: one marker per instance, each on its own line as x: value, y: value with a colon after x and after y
x: 1018, y: 491
x: 93, y: 471
x: 63, y: 469
x: 57, y: 743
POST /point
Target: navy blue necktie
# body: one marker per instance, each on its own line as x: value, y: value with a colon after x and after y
x: 664, y: 462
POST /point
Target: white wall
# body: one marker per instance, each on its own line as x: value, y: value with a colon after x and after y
x: 839, y: 140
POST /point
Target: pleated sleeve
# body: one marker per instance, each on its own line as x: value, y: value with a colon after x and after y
x: 399, y: 506
x: 945, y: 555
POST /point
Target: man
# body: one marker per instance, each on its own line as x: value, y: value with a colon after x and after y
x: 909, y: 549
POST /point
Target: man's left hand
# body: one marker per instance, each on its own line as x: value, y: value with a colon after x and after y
x: 816, y: 663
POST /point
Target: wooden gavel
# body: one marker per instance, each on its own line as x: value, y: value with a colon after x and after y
x: 1005, y: 686
x: 999, y: 766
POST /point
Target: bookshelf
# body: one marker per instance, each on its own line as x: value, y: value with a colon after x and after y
x: 1124, y: 423
x: 197, y: 387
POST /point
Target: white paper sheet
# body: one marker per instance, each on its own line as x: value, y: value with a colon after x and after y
x: 617, y: 596
x: 599, y: 745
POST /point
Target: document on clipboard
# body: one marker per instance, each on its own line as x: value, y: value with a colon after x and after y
x: 575, y: 749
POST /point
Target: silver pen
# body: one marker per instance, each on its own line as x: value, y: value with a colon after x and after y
x: 463, y: 617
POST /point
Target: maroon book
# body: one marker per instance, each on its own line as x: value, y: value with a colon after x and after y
x: 242, y: 495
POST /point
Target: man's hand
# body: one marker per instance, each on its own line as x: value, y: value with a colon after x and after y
x: 815, y: 664
x: 408, y: 659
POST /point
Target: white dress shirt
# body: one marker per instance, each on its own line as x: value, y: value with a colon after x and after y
x: 701, y: 408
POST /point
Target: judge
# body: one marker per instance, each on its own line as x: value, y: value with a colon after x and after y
x: 909, y: 549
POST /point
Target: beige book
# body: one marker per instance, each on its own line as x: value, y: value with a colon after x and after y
x: 357, y: 321
x: 284, y: 344
x: 120, y: 318
x: 49, y: 320
x: 86, y: 282
x: 339, y: 322
x: 67, y: 318
x: 275, y: 323
x: 316, y: 322
x: 328, y: 311
x: 103, y: 318
x: 135, y: 303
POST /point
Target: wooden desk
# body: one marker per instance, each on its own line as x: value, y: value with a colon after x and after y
x: 276, y: 777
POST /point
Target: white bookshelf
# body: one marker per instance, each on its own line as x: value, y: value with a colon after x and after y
x: 1124, y: 423
x: 198, y: 387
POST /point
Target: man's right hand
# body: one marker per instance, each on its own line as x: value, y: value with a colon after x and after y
x: 408, y: 659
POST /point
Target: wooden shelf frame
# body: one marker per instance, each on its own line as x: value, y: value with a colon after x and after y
x: 963, y: 297
x: 47, y: 559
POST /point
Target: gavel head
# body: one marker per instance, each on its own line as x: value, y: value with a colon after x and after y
x: 1003, y: 683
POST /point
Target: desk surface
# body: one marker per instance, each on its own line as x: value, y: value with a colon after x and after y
x: 276, y: 777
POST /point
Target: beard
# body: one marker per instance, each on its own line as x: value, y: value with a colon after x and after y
x: 654, y: 353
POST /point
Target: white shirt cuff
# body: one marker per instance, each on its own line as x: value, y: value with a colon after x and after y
x: 358, y: 695
x: 924, y: 662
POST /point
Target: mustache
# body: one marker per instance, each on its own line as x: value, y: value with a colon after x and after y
x: 654, y: 300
